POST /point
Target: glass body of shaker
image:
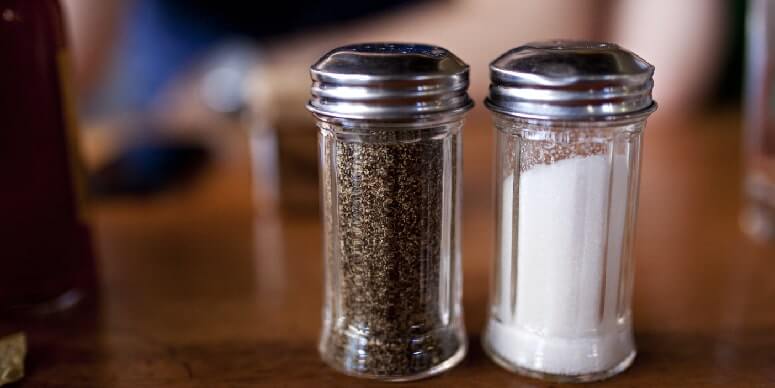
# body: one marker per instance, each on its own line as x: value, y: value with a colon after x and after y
x: 47, y: 262
x: 391, y: 212
x: 758, y: 217
x: 566, y: 198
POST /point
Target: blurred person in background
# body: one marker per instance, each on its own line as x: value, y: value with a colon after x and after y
x: 183, y: 70
x: 129, y: 53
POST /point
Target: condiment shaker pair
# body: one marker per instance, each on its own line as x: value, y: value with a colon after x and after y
x: 569, y: 117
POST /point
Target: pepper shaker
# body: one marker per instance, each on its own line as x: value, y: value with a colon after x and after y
x: 390, y: 119
x: 569, y: 117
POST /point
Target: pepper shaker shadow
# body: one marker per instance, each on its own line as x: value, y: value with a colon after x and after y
x: 569, y: 118
x: 390, y: 119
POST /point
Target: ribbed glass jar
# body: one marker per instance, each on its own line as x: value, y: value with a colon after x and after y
x: 390, y: 119
x: 569, y: 118
x: 567, y: 196
x: 391, y: 210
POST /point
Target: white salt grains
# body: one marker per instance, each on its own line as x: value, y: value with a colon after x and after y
x: 560, y: 312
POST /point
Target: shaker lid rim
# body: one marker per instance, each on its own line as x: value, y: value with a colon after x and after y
x: 394, y: 115
x: 623, y: 116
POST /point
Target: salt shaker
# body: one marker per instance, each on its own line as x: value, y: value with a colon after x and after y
x: 569, y: 117
x: 390, y: 118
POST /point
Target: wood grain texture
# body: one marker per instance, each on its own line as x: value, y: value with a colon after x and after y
x: 196, y: 291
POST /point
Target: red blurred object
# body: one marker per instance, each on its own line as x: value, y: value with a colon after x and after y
x: 46, y: 257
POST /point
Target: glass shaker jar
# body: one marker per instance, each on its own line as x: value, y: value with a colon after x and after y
x: 569, y: 118
x: 390, y: 118
x: 758, y: 217
x: 47, y: 261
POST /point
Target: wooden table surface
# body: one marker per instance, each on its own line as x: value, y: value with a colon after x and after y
x: 200, y: 290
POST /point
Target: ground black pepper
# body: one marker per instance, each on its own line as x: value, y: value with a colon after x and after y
x: 389, y: 117
x: 389, y: 204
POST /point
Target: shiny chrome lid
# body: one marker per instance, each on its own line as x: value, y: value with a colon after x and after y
x: 389, y: 81
x: 571, y: 80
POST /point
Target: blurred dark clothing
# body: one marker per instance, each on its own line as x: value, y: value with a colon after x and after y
x: 730, y: 81
x: 267, y: 19
x: 160, y: 38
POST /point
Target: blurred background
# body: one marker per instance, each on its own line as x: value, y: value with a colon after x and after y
x: 166, y: 87
x: 201, y: 165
